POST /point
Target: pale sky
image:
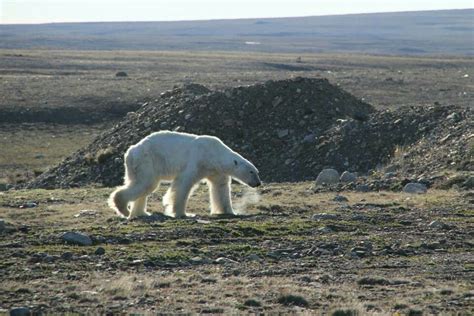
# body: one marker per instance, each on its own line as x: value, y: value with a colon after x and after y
x: 45, y: 11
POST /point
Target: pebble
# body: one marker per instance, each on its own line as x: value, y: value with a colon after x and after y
x: 348, y: 177
x: 282, y: 133
x: 99, y: 251
x: 324, y: 216
x: 327, y: 177
x: 310, y: 138
x: 362, y: 188
x: 415, y: 188
x: 67, y: 255
x: 29, y: 205
x: 438, y: 225
x: 223, y: 260
x: 325, y: 229
x: 76, y: 238
x: 340, y: 198
x: 20, y: 311
x: 253, y: 257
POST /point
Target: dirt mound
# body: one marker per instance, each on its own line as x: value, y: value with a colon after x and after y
x: 412, y: 140
x: 275, y: 124
x: 291, y: 130
x: 425, y: 144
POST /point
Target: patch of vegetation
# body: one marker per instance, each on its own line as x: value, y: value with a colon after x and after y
x: 345, y: 312
x: 252, y: 303
x: 293, y: 300
x: 373, y: 281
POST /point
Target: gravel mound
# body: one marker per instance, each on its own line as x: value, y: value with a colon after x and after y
x: 275, y: 124
x: 291, y: 129
x: 410, y: 140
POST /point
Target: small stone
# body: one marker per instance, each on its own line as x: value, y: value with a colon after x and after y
x: 438, y: 225
x: 223, y: 260
x: 20, y: 311
x: 389, y: 175
x: 277, y: 101
x: 327, y: 177
x: 325, y: 229
x: 310, y: 138
x: 362, y: 188
x: 253, y: 257
x: 415, y: 188
x: 67, y: 255
x: 121, y: 74
x: 348, y: 177
x: 29, y: 205
x: 324, y: 216
x: 340, y: 198
x: 282, y: 133
x: 77, y: 239
x: 2, y: 225
x: 454, y: 117
x: 196, y: 260
x: 100, y: 251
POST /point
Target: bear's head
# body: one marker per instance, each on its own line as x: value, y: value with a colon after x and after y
x: 244, y: 171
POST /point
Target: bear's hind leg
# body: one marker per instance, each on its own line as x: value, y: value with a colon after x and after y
x: 219, y: 193
x: 139, y: 207
x: 176, y: 197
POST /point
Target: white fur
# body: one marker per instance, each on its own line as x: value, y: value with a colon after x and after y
x: 184, y: 159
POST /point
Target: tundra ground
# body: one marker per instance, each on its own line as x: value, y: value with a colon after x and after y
x: 292, y: 251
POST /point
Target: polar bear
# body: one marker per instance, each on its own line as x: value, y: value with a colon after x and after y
x: 184, y: 159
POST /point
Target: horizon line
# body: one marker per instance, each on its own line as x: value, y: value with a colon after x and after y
x: 230, y: 19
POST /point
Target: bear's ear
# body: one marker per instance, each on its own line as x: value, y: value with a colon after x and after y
x: 235, y: 162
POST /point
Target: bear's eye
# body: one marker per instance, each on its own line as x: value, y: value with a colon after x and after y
x: 235, y: 162
x: 251, y: 172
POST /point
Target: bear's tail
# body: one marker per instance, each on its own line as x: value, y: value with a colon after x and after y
x: 118, y: 200
x: 118, y: 203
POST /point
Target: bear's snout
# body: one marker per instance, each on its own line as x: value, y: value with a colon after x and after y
x: 256, y: 183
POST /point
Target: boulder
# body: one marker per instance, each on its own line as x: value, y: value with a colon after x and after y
x: 415, y: 188
x: 327, y: 177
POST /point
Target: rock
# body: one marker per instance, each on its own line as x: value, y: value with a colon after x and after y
x: 325, y: 230
x: 253, y: 257
x: 340, y: 198
x: 20, y: 311
x: 2, y: 225
x: 327, y: 177
x: 282, y: 133
x: 29, y: 205
x: 76, y: 238
x: 438, y: 225
x: 362, y: 188
x: 121, y: 74
x: 67, y: 255
x: 469, y: 183
x: 454, y: 117
x: 310, y: 138
x: 389, y: 175
x: 415, y: 188
x: 348, y: 177
x: 196, y: 260
x: 324, y: 216
x: 99, y: 251
x: 223, y: 260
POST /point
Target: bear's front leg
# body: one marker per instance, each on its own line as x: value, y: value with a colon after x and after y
x: 219, y: 193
